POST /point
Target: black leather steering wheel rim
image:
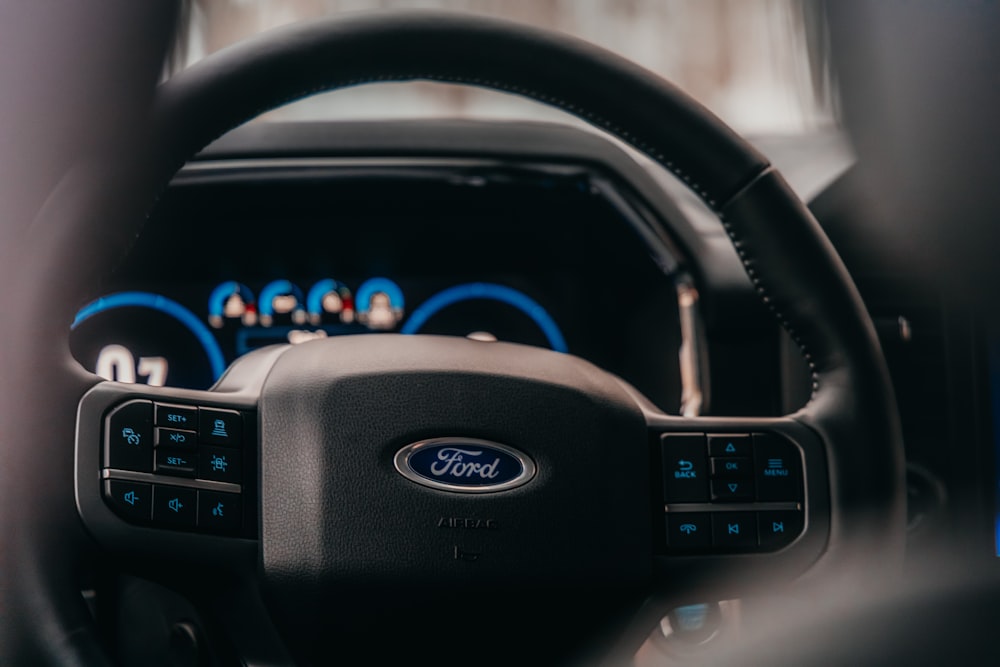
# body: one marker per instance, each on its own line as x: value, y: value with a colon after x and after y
x: 90, y: 221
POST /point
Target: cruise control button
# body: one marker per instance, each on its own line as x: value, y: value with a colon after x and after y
x: 777, y: 468
x: 220, y: 464
x: 177, y: 416
x: 685, y: 468
x: 689, y: 530
x: 175, y: 505
x: 175, y: 462
x: 732, y: 490
x: 129, y: 500
x: 129, y: 439
x: 734, y: 530
x: 729, y: 445
x: 778, y: 528
x: 219, y: 512
x: 732, y: 467
x: 220, y: 427
x: 172, y: 437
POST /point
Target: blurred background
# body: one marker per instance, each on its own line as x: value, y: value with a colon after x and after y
x: 758, y: 64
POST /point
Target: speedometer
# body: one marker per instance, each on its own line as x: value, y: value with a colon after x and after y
x: 487, y: 311
x: 146, y: 338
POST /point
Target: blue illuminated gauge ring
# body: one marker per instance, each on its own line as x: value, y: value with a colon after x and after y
x: 492, y: 292
x: 265, y: 306
x: 165, y: 306
x: 363, y: 297
x: 217, y: 299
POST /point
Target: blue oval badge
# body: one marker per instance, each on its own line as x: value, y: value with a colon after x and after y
x: 464, y: 465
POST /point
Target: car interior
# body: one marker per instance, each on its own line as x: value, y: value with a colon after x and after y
x: 609, y: 384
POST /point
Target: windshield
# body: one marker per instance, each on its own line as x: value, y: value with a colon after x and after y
x: 758, y: 64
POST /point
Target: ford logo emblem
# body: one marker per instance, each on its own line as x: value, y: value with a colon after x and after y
x: 464, y: 465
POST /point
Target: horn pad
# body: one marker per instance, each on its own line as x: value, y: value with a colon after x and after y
x: 344, y: 514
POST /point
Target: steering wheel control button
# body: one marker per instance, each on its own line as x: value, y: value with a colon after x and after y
x: 685, y: 468
x: 732, y: 490
x: 130, y: 500
x: 175, y: 505
x: 730, y: 445
x: 172, y: 437
x: 129, y: 437
x: 778, y: 528
x: 220, y: 464
x: 689, y: 530
x: 777, y: 468
x: 219, y: 512
x: 732, y: 467
x: 734, y: 530
x: 177, y: 416
x: 220, y: 427
x: 175, y: 462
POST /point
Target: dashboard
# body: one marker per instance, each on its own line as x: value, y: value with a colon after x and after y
x: 244, y: 253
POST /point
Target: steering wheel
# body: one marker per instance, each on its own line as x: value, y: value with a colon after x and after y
x: 417, y: 497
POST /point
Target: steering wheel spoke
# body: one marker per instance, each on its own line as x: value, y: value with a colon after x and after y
x: 731, y: 494
x: 169, y: 474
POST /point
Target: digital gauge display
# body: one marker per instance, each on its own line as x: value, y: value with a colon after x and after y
x: 149, y: 338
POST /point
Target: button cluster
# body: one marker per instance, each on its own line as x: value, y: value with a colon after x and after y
x: 731, y: 492
x: 176, y: 466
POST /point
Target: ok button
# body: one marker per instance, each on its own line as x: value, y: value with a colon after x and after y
x: 732, y: 467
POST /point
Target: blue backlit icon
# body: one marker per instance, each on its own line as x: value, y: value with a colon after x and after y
x: 219, y: 428
x: 777, y: 526
x: 685, y: 470
x: 691, y: 618
x: 219, y: 463
x: 733, y: 486
x: 175, y: 504
x: 776, y: 468
x: 178, y: 437
x: 733, y: 528
x: 217, y: 510
x: 688, y: 528
x: 730, y: 448
x: 732, y: 465
x: 131, y: 498
x: 131, y: 437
